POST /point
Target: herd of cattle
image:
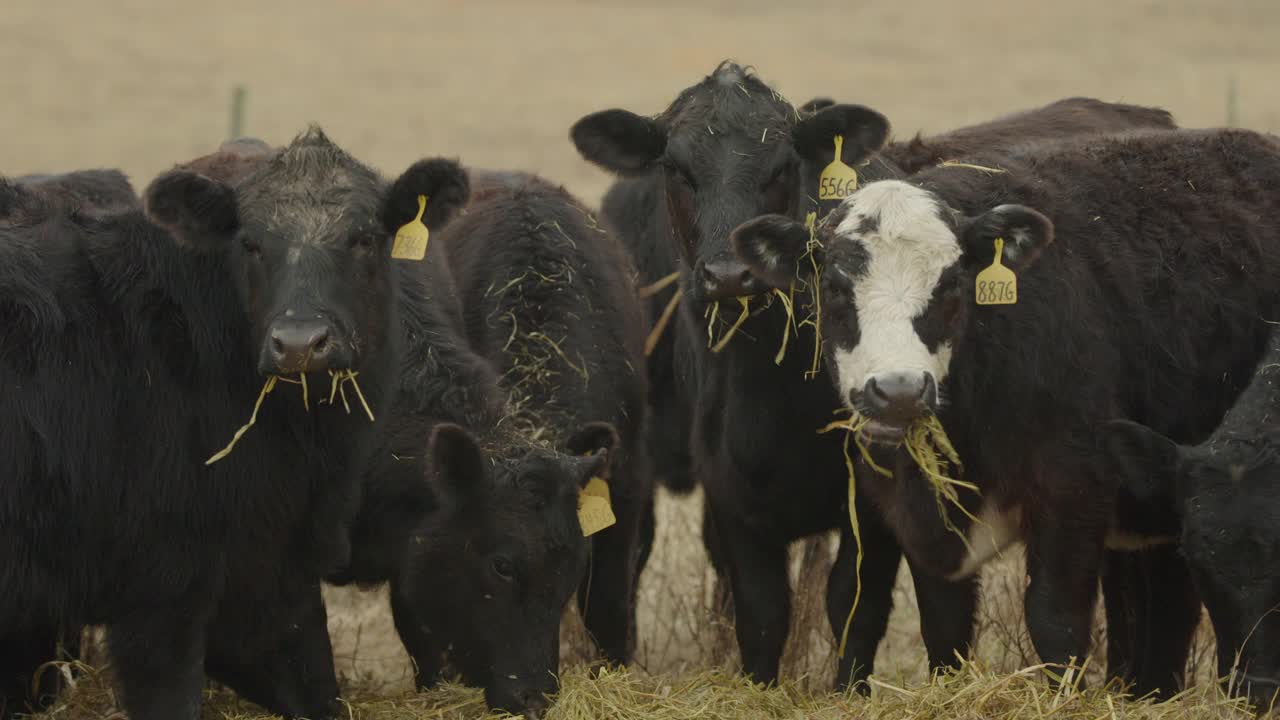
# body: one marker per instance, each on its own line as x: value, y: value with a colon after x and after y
x: 438, y: 417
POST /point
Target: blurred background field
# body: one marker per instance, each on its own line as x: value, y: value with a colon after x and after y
x: 142, y: 84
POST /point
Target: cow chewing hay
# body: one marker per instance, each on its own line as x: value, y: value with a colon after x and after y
x: 340, y: 379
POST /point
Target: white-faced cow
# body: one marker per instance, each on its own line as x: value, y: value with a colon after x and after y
x: 128, y: 360
x: 729, y: 149
x: 1146, y: 264
x: 1225, y: 494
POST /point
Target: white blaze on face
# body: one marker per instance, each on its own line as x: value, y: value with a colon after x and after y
x: 906, y: 255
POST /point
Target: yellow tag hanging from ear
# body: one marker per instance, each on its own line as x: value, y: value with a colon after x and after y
x: 594, y: 511
x: 837, y: 181
x: 411, y: 238
x: 996, y: 284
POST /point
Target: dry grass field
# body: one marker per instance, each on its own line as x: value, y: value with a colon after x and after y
x: 141, y: 84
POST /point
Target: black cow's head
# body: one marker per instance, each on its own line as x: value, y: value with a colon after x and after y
x: 897, y: 279
x: 729, y: 149
x: 306, y: 234
x: 1228, y: 495
x: 505, y: 554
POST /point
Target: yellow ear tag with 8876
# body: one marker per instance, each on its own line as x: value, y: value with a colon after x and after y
x: 594, y: 510
x: 996, y: 284
x: 411, y: 238
x: 837, y: 181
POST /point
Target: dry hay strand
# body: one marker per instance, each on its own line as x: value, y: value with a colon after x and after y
x: 971, y: 693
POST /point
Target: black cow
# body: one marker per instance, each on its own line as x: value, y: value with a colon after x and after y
x: 129, y: 360
x: 1149, y: 305
x: 1225, y: 494
x: 101, y: 190
x: 729, y: 149
x: 547, y: 298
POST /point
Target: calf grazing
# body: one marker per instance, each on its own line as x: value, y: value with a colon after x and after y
x: 1225, y: 495
x: 727, y: 150
x: 128, y: 360
x: 1146, y: 264
x: 547, y: 299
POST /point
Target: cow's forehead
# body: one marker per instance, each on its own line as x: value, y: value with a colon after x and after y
x: 309, y: 189
x: 891, y: 215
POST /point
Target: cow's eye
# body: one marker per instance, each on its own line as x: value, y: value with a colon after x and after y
x: 504, y: 568
x: 776, y: 193
x: 680, y: 176
x: 250, y: 245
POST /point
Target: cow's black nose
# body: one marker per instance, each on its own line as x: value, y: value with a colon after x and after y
x: 724, y: 279
x: 301, y: 346
x: 900, y: 397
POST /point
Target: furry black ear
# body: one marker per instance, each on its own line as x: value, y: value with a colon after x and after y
x: 456, y: 462
x: 594, y: 443
x: 445, y: 184
x: 864, y: 131
x: 1025, y: 232
x: 816, y: 104
x: 200, y: 211
x: 619, y: 141
x: 771, y: 247
x: 1144, y: 461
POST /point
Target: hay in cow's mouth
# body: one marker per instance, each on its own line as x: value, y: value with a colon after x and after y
x: 340, y: 380
x: 927, y: 443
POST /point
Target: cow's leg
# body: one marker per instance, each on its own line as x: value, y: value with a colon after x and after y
x: 947, y: 611
x: 1064, y: 557
x: 158, y: 659
x: 607, y: 595
x: 722, y: 602
x: 425, y: 647
x: 648, y: 532
x: 756, y: 561
x: 289, y: 673
x: 881, y: 557
x: 23, y: 686
x: 1152, y: 613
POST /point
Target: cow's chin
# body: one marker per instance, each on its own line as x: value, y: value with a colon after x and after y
x: 877, y: 432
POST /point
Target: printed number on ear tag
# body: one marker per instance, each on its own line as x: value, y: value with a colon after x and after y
x: 411, y: 238
x: 837, y: 181
x: 996, y: 284
x: 594, y: 511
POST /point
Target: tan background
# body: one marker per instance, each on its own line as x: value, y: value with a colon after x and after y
x: 140, y: 85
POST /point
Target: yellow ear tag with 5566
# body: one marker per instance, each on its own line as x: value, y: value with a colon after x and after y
x: 837, y: 181
x: 594, y: 511
x: 411, y: 238
x: 996, y: 284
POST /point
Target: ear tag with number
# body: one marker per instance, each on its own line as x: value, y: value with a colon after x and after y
x: 996, y: 284
x: 837, y: 181
x: 411, y: 238
x: 594, y: 511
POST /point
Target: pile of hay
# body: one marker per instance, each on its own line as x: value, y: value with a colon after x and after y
x: 714, y: 695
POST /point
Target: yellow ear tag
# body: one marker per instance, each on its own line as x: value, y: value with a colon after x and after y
x: 837, y: 181
x: 594, y: 511
x: 996, y: 285
x: 411, y: 238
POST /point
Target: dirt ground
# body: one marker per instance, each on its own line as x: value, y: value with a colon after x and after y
x: 140, y: 85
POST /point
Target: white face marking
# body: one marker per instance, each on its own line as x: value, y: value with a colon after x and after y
x: 906, y: 256
x: 295, y: 252
x: 994, y: 531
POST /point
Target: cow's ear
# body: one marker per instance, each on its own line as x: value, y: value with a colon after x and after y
x: 443, y: 182
x: 456, y: 462
x: 619, y: 141
x: 199, y: 210
x: 816, y: 104
x: 772, y: 247
x: 593, y: 445
x: 864, y: 131
x: 1026, y: 233
x: 1145, y: 462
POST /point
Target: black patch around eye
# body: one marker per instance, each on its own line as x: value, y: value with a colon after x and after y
x: 944, y: 316
x: 868, y: 225
x: 250, y: 245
